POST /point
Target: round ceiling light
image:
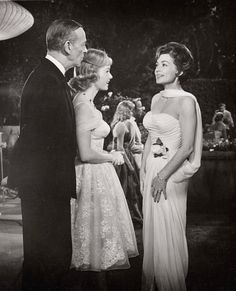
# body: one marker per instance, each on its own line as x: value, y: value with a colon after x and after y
x: 14, y: 19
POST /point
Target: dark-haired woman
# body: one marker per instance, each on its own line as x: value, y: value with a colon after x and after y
x: 103, y: 236
x: 171, y: 156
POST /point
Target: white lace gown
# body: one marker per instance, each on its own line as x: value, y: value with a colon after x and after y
x: 103, y: 236
x: 165, y: 246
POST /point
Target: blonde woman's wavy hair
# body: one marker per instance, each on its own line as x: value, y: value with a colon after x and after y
x: 123, y: 111
x: 87, y: 73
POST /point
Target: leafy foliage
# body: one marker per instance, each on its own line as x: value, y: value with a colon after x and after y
x: 130, y: 31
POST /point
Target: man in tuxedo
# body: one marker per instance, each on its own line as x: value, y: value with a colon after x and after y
x: 46, y: 151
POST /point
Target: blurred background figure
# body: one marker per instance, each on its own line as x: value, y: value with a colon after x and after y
x: 137, y: 148
x: 227, y: 118
x: 139, y: 110
x: 127, y: 138
x: 218, y: 127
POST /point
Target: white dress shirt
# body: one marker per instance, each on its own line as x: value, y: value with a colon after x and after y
x: 56, y: 63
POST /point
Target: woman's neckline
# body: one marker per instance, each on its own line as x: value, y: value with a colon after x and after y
x: 172, y: 93
x: 81, y: 97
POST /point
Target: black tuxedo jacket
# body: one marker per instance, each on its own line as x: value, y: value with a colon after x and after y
x: 43, y: 157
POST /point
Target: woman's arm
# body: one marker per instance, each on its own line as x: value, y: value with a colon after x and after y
x: 120, y: 134
x: 142, y: 172
x: 86, y: 153
x: 188, y: 121
x: 146, y: 151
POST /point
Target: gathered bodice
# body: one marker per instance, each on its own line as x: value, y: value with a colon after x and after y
x: 168, y: 129
x: 94, y: 123
x: 165, y: 127
x: 98, y: 134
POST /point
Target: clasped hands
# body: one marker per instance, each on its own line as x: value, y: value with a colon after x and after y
x: 158, y: 186
x: 117, y: 158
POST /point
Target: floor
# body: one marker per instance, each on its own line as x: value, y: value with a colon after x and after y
x: 211, y: 238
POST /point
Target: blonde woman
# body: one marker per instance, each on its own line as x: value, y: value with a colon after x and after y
x: 103, y: 236
x: 126, y: 138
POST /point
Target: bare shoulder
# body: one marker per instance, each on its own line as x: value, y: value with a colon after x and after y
x: 187, y: 106
x: 83, y: 111
x: 83, y: 107
x: 155, y: 98
x: 187, y: 100
x: 187, y: 103
x: 121, y: 127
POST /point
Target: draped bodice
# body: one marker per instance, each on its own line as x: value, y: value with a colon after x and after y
x: 165, y: 127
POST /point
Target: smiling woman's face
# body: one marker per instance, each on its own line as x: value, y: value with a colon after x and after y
x: 104, y: 77
x: 166, y: 71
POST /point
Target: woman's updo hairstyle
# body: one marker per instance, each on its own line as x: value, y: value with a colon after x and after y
x: 87, y: 73
x: 181, y: 55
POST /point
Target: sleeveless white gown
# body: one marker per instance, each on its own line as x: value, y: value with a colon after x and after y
x: 165, y: 246
x: 103, y: 236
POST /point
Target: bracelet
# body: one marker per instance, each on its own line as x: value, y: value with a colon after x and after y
x: 158, y: 175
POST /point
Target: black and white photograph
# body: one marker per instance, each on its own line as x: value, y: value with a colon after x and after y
x: 117, y: 145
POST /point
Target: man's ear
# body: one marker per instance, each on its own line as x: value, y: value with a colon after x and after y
x: 67, y: 47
